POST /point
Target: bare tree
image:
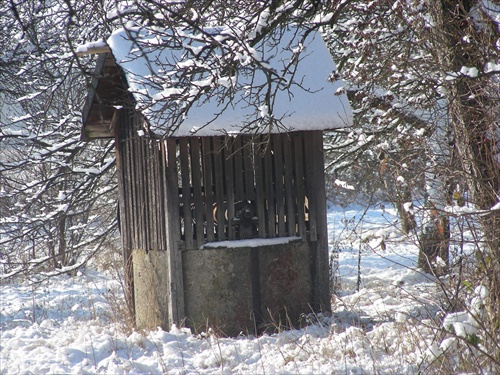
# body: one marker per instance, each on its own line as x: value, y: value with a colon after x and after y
x: 465, y: 37
x: 382, y: 53
x: 57, y: 192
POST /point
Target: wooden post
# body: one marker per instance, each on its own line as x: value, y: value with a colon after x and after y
x: 321, y: 279
x: 174, y: 259
x: 122, y: 158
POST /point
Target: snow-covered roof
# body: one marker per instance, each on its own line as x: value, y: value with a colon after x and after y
x: 316, y: 103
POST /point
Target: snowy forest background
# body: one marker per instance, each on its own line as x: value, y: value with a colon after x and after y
x: 422, y: 78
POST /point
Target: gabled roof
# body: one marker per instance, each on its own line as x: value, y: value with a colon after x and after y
x: 128, y: 72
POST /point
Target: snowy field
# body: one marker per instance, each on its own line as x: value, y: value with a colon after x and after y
x: 70, y: 324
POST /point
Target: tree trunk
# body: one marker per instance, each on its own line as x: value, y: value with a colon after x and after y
x: 461, y: 45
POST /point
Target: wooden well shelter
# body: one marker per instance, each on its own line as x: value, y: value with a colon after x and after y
x: 220, y: 228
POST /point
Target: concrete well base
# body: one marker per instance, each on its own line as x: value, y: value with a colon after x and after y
x: 246, y: 289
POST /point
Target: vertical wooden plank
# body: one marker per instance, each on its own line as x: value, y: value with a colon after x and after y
x: 138, y: 159
x: 219, y: 189
x: 299, y: 182
x: 197, y: 194
x: 311, y: 145
x: 131, y: 205
x: 278, y: 183
x: 248, y: 166
x: 122, y: 151
x: 208, y: 186
x: 289, y: 187
x: 186, y: 192
x: 133, y: 196
x: 229, y: 182
x: 176, y: 298
x: 162, y: 190
x: 238, y: 168
x: 322, y: 273
x: 153, y: 203
x: 259, y: 186
x: 140, y: 167
x: 159, y: 193
x: 172, y: 201
x: 123, y: 155
x: 147, y: 198
x: 269, y: 191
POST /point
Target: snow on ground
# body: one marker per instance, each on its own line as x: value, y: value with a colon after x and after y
x: 70, y: 324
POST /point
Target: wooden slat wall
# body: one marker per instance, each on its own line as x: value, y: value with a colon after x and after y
x: 142, y: 184
x: 275, y: 173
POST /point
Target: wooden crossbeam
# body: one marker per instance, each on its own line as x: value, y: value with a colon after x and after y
x: 94, y: 50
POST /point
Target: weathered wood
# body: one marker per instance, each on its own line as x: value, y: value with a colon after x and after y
x: 176, y: 301
x: 269, y: 192
x: 239, y: 170
x: 259, y: 188
x: 186, y: 193
x: 311, y: 182
x: 208, y: 187
x: 161, y: 190
x: 122, y: 167
x: 142, y: 219
x: 278, y: 182
x: 299, y: 184
x: 150, y: 202
x: 289, y: 187
x: 197, y: 194
x: 248, y: 160
x: 229, y: 183
x: 103, y: 97
x: 219, y: 189
x: 322, y: 283
x: 133, y: 194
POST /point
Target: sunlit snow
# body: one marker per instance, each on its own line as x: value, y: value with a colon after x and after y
x: 380, y: 323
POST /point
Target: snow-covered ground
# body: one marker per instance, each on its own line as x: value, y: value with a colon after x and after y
x: 71, y: 324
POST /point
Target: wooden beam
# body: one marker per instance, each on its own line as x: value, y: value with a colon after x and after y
x: 93, y: 50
